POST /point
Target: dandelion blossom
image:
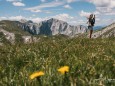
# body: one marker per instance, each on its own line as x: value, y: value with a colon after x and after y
x: 36, y: 74
x: 63, y: 69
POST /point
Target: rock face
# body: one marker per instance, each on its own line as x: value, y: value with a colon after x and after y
x: 108, y: 31
x: 52, y: 27
x: 29, y: 39
x: 9, y: 36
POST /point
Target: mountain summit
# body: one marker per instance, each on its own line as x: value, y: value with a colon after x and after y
x: 52, y: 27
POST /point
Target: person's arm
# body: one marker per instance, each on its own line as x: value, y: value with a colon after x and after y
x: 94, y: 16
x: 94, y: 19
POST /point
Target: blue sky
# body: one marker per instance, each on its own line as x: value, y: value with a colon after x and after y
x: 72, y: 11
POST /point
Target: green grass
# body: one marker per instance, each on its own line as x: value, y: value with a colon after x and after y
x: 3, y: 39
x: 88, y: 59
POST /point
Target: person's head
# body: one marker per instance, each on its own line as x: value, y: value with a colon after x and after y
x: 91, y: 16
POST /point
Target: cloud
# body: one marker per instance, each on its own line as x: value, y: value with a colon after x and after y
x: 67, y: 6
x: 70, y: 1
x: 111, y: 13
x: 84, y: 14
x: 103, y: 3
x: 18, y: 4
x: 54, y: 3
x: 13, y: 0
x: 3, y: 18
x: 105, y: 7
x: 43, y: 0
x: 16, y: 17
x: 45, y: 5
x: 37, y: 20
x: 36, y: 11
x: 64, y: 17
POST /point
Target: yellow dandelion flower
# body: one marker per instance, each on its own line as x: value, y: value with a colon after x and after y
x: 63, y: 69
x: 36, y: 74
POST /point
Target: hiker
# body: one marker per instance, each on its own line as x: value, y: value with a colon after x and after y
x: 91, y: 22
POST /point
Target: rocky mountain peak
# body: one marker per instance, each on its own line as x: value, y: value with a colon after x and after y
x: 23, y: 21
x: 53, y: 27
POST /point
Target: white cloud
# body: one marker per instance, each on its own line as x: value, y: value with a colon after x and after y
x: 67, y: 6
x: 103, y: 3
x: 110, y: 13
x: 43, y: 0
x: 54, y: 3
x: 13, y: 0
x: 46, y: 5
x: 37, y: 20
x: 104, y: 6
x: 18, y: 4
x: 36, y: 11
x: 96, y: 12
x: 64, y: 17
x: 100, y: 3
x: 81, y: 22
x: 3, y: 18
x: 16, y: 18
x: 70, y: 1
x: 84, y: 14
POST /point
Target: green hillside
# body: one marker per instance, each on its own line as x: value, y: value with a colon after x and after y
x: 91, y: 62
x: 12, y: 26
x: 3, y: 39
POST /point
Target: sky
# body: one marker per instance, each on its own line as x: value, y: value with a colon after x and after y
x: 75, y: 12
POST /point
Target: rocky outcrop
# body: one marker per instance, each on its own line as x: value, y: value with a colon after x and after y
x: 106, y: 32
x: 29, y: 39
x: 9, y: 36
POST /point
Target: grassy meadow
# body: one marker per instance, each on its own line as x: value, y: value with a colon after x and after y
x: 91, y: 62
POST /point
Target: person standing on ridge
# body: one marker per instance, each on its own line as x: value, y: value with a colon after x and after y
x: 91, y: 22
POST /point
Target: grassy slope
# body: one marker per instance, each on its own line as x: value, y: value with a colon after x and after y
x: 3, y: 39
x: 88, y: 59
x: 13, y: 27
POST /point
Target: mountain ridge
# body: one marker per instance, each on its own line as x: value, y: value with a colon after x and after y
x: 52, y: 27
x: 105, y: 32
x: 27, y: 30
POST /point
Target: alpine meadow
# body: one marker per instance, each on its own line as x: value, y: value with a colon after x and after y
x: 57, y: 42
x: 91, y: 62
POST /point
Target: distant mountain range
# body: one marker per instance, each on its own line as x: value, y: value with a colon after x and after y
x: 98, y: 27
x: 52, y: 27
x: 27, y: 30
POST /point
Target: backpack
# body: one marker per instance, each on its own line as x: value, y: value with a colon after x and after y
x: 92, y: 21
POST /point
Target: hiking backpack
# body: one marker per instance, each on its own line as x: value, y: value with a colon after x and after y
x: 92, y: 21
